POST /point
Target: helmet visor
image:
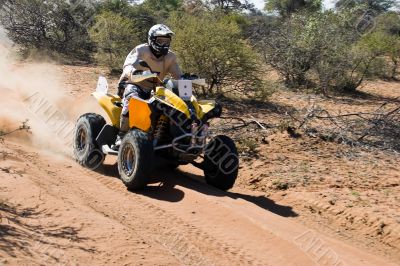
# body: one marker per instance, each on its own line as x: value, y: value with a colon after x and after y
x: 163, y: 41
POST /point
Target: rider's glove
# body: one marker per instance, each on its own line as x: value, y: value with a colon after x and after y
x: 137, y: 72
x: 189, y: 76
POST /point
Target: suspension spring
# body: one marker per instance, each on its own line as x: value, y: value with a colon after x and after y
x: 160, y: 128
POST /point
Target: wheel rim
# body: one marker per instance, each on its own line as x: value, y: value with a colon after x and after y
x: 81, y: 139
x: 128, y: 159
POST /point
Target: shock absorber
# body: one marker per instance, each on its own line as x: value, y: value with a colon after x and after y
x: 160, y: 129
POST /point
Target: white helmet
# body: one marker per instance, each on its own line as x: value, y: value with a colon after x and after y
x: 159, y: 39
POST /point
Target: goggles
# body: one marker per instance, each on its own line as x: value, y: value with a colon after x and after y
x: 163, y: 41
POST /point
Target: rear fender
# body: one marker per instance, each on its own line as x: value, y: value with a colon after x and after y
x: 107, y: 102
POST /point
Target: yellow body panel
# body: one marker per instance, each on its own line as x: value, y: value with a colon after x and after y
x: 172, y: 99
x: 206, y: 105
x: 139, y: 114
x: 107, y: 101
x: 139, y: 111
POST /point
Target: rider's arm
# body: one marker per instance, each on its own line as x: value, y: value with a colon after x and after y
x: 174, y: 68
x: 132, y: 62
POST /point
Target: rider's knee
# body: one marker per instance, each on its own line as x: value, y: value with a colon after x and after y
x: 130, y: 91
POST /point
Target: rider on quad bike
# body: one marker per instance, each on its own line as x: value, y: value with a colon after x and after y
x: 159, y: 58
x: 166, y: 121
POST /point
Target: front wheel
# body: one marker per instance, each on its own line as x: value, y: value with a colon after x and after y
x: 221, y: 163
x: 135, y: 159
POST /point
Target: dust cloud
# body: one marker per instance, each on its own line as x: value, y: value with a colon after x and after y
x: 34, y: 92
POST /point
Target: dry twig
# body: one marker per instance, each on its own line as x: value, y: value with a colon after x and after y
x: 23, y: 127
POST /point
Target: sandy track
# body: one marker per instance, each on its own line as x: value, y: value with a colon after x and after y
x: 81, y: 217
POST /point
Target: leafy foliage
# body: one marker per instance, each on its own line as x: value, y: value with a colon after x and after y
x: 114, y: 36
x: 212, y: 46
x: 231, y: 5
x: 287, y: 7
x: 286, y: 50
x: 338, y: 65
x: 53, y: 26
x: 315, y: 51
x: 384, y: 44
x: 375, y: 5
x: 163, y: 7
x: 226, y: 41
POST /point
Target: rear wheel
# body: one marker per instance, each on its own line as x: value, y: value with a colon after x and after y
x: 86, y: 150
x: 221, y: 163
x: 135, y: 159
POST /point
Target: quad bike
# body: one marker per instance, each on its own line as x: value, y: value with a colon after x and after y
x: 172, y: 125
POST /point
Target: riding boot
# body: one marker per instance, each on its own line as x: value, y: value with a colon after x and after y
x: 124, y: 127
x: 124, y: 124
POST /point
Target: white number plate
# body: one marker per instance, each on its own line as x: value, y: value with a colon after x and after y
x: 185, y: 89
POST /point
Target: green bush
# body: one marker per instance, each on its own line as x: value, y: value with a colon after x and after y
x: 384, y: 44
x: 338, y: 65
x: 52, y: 27
x: 212, y: 46
x: 316, y: 50
x: 288, y: 7
x: 114, y: 37
x: 374, y: 5
x: 289, y: 47
x: 162, y: 8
